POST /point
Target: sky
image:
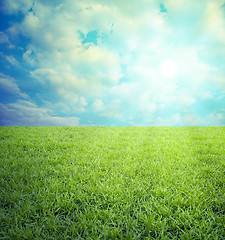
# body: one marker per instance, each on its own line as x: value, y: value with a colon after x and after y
x: 112, y: 63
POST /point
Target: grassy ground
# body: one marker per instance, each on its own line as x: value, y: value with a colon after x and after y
x: 112, y: 183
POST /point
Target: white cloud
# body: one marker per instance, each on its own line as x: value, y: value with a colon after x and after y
x: 3, y: 38
x: 12, y: 60
x: 218, y: 117
x: 10, y: 85
x: 27, y: 56
x: 113, y: 110
x: 212, y: 23
x: 31, y: 24
x: 13, y: 6
x: 205, y: 95
x: 83, y: 102
x: 60, y: 79
x: 146, y: 104
x: 112, y: 115
x: 59, y: 56
x: 25, y: 113
x: 192, y: 119
x: 98, y: 105
x: 60, y: 48
x: 83, y: 72
x: 176, y: 118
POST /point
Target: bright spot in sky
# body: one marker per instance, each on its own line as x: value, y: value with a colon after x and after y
x: 168, y: 68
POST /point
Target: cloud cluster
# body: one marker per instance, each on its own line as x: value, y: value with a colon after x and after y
x: 117, y: 73
x: 23, y: 111
x: 12, y: 6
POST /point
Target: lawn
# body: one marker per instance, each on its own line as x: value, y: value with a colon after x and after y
x: 112, y: 182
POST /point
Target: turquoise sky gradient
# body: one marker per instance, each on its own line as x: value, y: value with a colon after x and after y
x: 112, y: 63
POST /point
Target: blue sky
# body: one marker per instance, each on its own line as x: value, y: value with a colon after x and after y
x: 112, y: 63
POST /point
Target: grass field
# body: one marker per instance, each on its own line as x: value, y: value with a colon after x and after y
x: 112, y: 183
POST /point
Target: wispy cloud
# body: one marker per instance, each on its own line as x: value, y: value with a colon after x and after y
x: 9, y: 85
x: 27, y: 113
x: 12, y: 60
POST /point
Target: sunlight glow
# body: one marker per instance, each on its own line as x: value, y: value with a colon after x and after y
x: 168, y: 68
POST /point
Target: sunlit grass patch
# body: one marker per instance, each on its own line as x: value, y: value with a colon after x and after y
x: 112, y: 183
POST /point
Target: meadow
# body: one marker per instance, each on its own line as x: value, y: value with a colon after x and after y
x: 112, y: 182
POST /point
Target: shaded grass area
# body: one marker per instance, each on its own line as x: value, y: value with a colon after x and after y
x: 112, y: 183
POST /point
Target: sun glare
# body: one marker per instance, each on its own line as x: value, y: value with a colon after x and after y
x: 168, y: 68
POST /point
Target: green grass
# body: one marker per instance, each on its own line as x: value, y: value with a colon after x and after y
x: 112, y: 183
